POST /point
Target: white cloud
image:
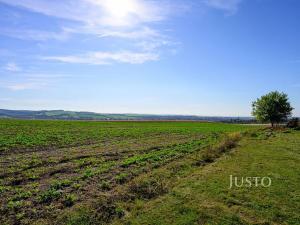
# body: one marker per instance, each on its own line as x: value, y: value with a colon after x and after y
x: 23, y: 86
x: 98, y: 12
x: 29, y: 84
x: 31, y: 81
x: 230, y: 6
x: 96, y: 17
x: 102, y: 58
x: 154, y: 45
x: 36, y: 35
x: 12, y: 67
x: 130, y: 20
x: 144, y: 32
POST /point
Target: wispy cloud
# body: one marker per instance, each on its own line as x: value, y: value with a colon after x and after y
x: 31, y: 81
x: 24, y: 86
x: 130, y: 20
x: 102, y: 58
x: 36, y: 35
x: 230, y: 6
x: 27, y: 84
x: 12, y: 67
x: 100, y: 16
x: 144, y: 32
x: 98, y: 12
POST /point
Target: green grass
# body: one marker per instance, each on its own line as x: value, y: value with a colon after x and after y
x: 202, y: 196
x: 80, y: 172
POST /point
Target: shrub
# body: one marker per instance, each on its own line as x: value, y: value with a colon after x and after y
x: 228, y: 143
x: 293, y: 123
x: 148, y: 188
x: 208, y: 157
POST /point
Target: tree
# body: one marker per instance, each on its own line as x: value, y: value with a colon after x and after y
x: 273, y: 107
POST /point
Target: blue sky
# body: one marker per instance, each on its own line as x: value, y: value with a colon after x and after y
x: 201, y: 57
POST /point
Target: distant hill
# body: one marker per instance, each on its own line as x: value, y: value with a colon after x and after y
x: 72, y: 115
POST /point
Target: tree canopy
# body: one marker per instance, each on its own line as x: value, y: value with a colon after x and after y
x: 273, y: 107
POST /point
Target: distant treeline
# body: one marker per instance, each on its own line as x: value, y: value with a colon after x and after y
x: 72, y: 115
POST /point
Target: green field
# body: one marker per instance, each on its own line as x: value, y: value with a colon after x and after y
x: 79, y: 172
x: 202, y: 195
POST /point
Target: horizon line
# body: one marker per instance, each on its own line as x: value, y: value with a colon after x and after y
x: 128, y: 113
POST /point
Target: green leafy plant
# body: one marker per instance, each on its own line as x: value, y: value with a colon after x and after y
x: 49, y: 195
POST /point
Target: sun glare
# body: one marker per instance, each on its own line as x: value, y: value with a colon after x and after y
x: 121, y: 8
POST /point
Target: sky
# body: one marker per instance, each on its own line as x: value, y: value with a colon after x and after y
x: 191, y: 57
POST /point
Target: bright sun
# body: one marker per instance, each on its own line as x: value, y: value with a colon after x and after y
x: 120, y: 8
